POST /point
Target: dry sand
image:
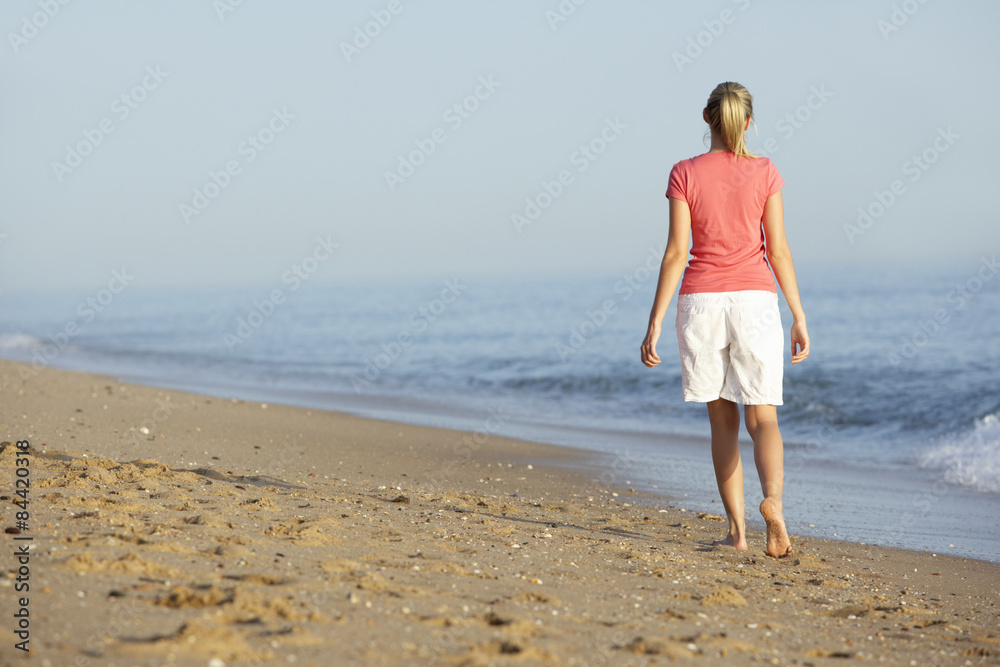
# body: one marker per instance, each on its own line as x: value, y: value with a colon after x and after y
x: 237, y: 533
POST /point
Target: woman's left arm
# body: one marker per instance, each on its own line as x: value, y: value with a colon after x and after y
x: 674, y: 260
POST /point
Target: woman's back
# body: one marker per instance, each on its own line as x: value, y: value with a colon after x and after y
x: 726, y: 196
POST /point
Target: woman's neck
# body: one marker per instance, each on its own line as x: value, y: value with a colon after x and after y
x: 718, y: 145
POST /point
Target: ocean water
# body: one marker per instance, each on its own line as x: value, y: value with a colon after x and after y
x: 891, y: 428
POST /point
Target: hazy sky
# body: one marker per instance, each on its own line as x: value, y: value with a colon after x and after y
x: 113, y: 114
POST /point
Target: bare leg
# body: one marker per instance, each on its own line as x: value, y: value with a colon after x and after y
x: 725, y: 419
x: 768, y: 454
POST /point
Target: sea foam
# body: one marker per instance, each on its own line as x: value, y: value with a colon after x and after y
x: 19, y: 341
x: 970, y: 459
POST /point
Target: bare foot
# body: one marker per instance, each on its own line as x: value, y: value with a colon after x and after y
x: 778, y: 544
x: 730, y: 541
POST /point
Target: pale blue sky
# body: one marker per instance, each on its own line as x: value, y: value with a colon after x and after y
x: 324, y: 172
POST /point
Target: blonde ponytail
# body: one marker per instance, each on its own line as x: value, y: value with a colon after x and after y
x: 728, y: 108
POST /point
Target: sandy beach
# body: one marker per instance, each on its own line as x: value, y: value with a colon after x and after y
x: 171, y: 528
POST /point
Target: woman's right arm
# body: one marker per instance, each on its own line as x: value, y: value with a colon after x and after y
x: 671, y: 270
x: 779, y: 256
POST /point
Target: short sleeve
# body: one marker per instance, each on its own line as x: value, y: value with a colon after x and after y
x: 677, y: 185
x: 774, y: 179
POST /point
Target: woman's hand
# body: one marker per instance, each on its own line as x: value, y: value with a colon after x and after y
x: 800, y: 337
x: 648, y: 348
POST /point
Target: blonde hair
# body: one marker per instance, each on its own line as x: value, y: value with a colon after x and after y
x: 728, y: 108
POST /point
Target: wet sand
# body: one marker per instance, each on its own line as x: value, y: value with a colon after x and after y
x: 170, y: 528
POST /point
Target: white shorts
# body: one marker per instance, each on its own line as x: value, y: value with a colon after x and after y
x: 731, y: 346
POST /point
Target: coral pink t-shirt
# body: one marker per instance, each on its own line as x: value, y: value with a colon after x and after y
x: 726, y: 196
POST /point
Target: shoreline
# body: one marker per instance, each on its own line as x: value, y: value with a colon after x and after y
x: 266, y: 532
x: 833, y: 499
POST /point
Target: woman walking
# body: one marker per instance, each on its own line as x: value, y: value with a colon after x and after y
x: 728, y: 324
